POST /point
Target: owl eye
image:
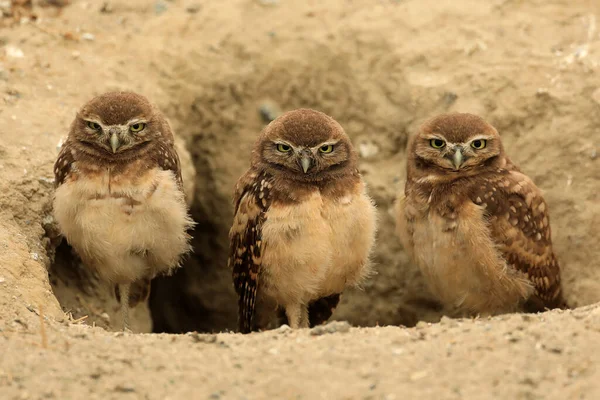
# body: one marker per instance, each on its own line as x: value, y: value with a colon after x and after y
x: 284, y: 148
x: 93, y: 125
x: 328, y: 148
x: 437, y: 143
x: 137, y: 127
x: 479, y: 144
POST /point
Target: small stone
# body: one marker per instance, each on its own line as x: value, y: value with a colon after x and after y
x: 88, y: 36
x: 198, y: 338
x: 368, y: 149
x: 2, y: 280
x: 160, y: 7
x: 194, y: 8
x: 106, y: 8
x: 105, y: 317
x: 14, y: 52
x: 448, y: 321
x: 332, y: 327
x: 422, y: 324
x: 397, y: 351
x: 449, y: 98
x: 269, y: 110
x: 283, y: 329
x: 35, y: 256
x: 125, y: 388
x: 418, y: 375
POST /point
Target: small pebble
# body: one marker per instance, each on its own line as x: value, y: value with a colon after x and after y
x: 88, y: 36
x: 159, y: 7
x: 332, y: 327
x: 14, y: 52
x: 125, y: 388
x: 269, y: 110
x: 283, y: 329
x: 368, y: 149
x: 418, y: 375
x: 198, y: 338
x: 194, y: 8
x: 106, y: 8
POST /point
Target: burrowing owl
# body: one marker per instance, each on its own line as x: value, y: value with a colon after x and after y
x: 304, y: 224
x: 477, y: 227
x: 119, y: 198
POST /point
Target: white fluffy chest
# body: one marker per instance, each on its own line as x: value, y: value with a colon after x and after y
x: 461, y: 262
x: 318, y: 246
x: 138, y: 221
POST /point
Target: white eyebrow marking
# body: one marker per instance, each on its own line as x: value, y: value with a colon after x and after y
x: 327, y: 143
x: 481, y: 137
x: 136, y: 120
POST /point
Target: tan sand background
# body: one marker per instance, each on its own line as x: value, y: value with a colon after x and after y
x: 530, y: 67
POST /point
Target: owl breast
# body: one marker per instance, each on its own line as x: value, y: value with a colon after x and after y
x: 459, y: 259
x: 317, y: 247
x: 126, y: 226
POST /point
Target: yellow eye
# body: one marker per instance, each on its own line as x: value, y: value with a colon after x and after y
x: 479, y: 144
x: 326, y: 149
x: 284, y: 148
x: 437, y: 143
x: 94, y: 126
x: 137, y: 127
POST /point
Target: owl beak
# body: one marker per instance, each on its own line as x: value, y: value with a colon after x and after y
x: 306, y: 160
x: 306, y: 163
x: 114, y: 142
x: 457, y: 159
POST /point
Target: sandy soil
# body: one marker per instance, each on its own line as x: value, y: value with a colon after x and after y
x: 217, y: 69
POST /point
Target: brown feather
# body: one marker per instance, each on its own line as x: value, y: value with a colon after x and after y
x: 252, y: 200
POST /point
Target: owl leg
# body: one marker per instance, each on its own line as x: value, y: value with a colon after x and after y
x: 124, y: 294
x: 297, y: 315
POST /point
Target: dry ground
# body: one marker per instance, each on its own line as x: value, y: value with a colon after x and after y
x: 379, y: 67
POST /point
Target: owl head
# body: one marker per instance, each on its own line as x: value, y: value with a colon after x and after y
x: 305, y: 145
x: 118, y: 125
x: 456, y: 145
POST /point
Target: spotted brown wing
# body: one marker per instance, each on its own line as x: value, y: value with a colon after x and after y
x: 167, y: 158
x: 245, y: 252
x: 520, y: 226
x: 63, y: 164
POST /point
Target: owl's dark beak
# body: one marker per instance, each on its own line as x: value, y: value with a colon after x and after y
x: 306, y: 160
x: 114, y: 142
